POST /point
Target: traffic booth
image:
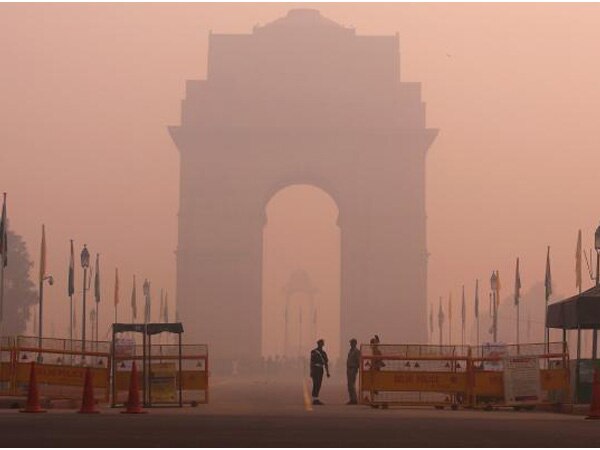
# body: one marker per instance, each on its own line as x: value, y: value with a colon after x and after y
x: 170, y: 375
x: 414, y: 375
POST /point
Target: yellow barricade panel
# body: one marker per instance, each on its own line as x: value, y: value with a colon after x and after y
x: 488, y: 383
x: 194, y: 380
x: 414, y: 381
x: 554, y: 379
x: 61, y: 375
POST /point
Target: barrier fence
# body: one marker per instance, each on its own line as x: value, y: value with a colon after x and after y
x: 61, y: 366
x: 485, y: 376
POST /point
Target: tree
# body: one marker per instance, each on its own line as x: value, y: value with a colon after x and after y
x: 19, y: 291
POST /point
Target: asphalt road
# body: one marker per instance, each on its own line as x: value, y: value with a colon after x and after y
x: 267, y: 413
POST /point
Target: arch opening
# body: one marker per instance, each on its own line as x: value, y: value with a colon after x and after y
x: 301, y: 273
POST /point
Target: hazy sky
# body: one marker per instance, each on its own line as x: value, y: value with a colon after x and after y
x: 88, y: 90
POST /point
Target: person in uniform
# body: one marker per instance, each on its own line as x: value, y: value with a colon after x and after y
x: 318, y: 363
x: 352, y: 366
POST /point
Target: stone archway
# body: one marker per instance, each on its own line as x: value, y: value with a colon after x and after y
x: 302, y: 100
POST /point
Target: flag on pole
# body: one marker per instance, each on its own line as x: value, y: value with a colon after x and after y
x: 71, y: 278
x: 97, y: 280
x: 4, y: 235
x: 517, y: 284
x: 133, y: 301
x: 498, y: 287
x: 162, y: 305
x: 147, y: 304
x: 476, y: 298
x: 440, y: 319
x: 116, y: 287
x: 431, y: 319
x: 166, y: 310
x: 463, y: 310
x: 548, y: 279
x: 43, y: 255
x: 578, y: 283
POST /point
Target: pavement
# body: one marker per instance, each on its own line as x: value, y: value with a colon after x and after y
x: 268, y: 413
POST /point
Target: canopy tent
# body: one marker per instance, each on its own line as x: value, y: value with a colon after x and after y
x: 581, y: 311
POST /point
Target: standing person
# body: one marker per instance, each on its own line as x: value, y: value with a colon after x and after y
x: 318, y: 363
x: 352, y: 366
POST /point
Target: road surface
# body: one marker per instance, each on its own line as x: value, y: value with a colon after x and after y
x: 269, y: 413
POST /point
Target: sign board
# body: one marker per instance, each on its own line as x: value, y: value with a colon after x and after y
x: 522, y: 383
x: 163, y: 381
x: 494, y: 351
x: 124, y: 349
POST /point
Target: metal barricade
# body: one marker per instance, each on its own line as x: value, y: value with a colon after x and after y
x: 7, y: 357
x: 60, y: 366
x: 414, y: 375
x: 489, y: 374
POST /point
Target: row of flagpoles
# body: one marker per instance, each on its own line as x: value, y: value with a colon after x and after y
x: 495, y: 286
x: 95, y: 270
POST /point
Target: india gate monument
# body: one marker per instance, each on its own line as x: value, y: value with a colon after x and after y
x: 302, y: 100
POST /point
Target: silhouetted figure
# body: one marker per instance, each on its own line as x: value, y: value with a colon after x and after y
x: 352, y: 366
x: 318, y: 363
x: 376, y: 364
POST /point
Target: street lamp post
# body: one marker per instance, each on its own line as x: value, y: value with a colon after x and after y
x: 494, y: 287
x: 50, y: 281
x: 85, y: 263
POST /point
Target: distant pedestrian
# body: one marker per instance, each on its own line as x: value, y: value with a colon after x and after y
x: 352, y: 366
x: 318, y: 363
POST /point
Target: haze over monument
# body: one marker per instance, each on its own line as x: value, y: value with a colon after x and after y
x: 88, y: 92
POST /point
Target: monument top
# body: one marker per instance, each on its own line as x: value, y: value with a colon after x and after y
x: 302, y: 18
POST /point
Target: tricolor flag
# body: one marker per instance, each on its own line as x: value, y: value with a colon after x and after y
x: 71, y: 278
x: 498, y: 287
x: 548, y: 279
x: 166, y: 310
x: 43, y: 255
x: 517, y: 284
x: 161, y: 306
x: 578, y: 283
x: 147, y: 303
x: 116, y: 287
x: 431, y: 319
x: 4, y: 235
x: 476, y: 298
x: 133, y: 301
x: 97, y: 280
x: 463, y: 310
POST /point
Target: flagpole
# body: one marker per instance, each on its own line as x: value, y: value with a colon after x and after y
x: 41, y: 289
x: 477, y: 308
x: 3, y: 262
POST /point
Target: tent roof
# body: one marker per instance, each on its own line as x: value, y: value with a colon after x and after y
x: 149, y: 328
x: 579, y: 311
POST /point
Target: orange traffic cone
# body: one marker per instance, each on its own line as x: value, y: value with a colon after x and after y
x: 88, y: 404
x: 33, y: 396
x: 595, y: 404
x: 133, y: 401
